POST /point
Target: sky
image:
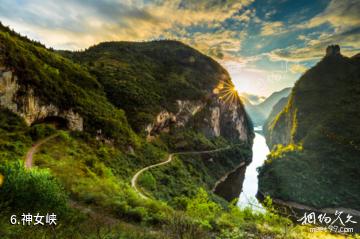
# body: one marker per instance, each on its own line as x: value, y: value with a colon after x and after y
x: 264, y: 44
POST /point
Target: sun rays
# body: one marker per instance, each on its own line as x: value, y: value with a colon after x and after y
x: 226, y: 92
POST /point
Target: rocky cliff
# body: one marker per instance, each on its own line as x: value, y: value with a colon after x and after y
x: 278, y: 107
x: 175, y: 95
x: 40, y: 86
x: 167, y: 84
x: 315, y: 138
x: 215, y: 118
x: 29, y: 106
x: 143, y: 99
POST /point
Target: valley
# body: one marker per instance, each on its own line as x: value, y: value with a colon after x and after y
x: 152, y: 140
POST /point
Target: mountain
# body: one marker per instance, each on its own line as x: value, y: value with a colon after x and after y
x: 260, y: 112
x: 266, y: 106
x: 165, y: 83
x: 315, y: 139
x: 105, y: 113
x: 122, y: 140
x: 252, y: 99
x: 278, y: 107
x: 255, y: 115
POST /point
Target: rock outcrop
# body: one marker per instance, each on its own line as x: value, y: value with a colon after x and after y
x: 214, y: 118
x: 273, y: 138
x: 29, y: 106
x: 333, y: 50
x: 162, y: 122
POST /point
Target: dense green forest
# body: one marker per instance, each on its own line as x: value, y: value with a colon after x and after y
x: 86, y: 181
x: 144, y: 78
x: 318, y: 132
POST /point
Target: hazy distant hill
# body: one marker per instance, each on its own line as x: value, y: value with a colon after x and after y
x: 260, y: 112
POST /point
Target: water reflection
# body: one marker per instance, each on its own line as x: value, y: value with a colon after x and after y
x: 250, y: 184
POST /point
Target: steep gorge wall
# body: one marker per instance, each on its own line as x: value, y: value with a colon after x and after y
x: 214, y: 118
x: 28, y: 106
x: 318, y: 156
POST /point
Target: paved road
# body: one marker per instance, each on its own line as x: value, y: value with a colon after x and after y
x: 169, y: 159
x: 30, y: 154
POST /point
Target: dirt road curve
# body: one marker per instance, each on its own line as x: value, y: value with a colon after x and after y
x: 169, y: 159
x: 30, y: 154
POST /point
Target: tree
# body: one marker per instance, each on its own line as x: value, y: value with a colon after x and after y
x: 202, y: 209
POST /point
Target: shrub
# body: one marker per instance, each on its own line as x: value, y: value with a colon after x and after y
x: 202, y: 209
x: 148, y: 181
x: 31, y: 190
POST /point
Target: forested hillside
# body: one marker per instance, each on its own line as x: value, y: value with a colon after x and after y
x: 84, y: 123
x: 315, y: 138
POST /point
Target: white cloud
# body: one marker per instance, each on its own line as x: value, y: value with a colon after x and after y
x: 271, y: 28
x: 80, y: 24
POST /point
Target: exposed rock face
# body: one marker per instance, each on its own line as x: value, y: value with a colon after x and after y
x: 8, y: 89
x: 234, y: 122
x: 162, y: 122
x: 333, y: 50
x: 275, y: 137
x: 229, y: 120
x: 214, y: 118
x: 215, y: 121
x: 29, y: 106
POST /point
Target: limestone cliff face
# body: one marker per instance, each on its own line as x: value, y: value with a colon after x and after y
x: 226, y: 119
x: 213, y: 117
x: 280, y: 129
x: 162, y: 122
x: 278, y: 136
x: 28, y: 106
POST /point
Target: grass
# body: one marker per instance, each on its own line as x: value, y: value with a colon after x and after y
x: 85, y: 180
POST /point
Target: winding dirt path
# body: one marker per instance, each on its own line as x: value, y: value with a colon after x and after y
x: 168, y: 160
x: 30, y: 154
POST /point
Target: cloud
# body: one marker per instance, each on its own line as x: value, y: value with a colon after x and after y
x: 271, y: 28
x: 298, y: 68
x: 251, y: 38
x: 254, y: 99
x: 342, y: 17
x: 222, y: 42
x: 315, y: 46
x: 342, y: 14
x: 80, y: 24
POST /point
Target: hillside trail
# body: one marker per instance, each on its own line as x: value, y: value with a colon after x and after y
x: 98, y: 215
x: 30, y: 153
x: 168, y: 160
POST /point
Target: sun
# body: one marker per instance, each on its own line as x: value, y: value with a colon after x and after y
x: 227, y: 92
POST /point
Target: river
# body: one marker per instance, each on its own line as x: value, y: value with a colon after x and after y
x: 250, y: 184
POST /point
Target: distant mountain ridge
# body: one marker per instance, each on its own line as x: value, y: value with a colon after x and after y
x: 260, y: 112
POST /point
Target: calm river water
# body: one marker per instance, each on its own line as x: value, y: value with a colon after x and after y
x: 250, y: 184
